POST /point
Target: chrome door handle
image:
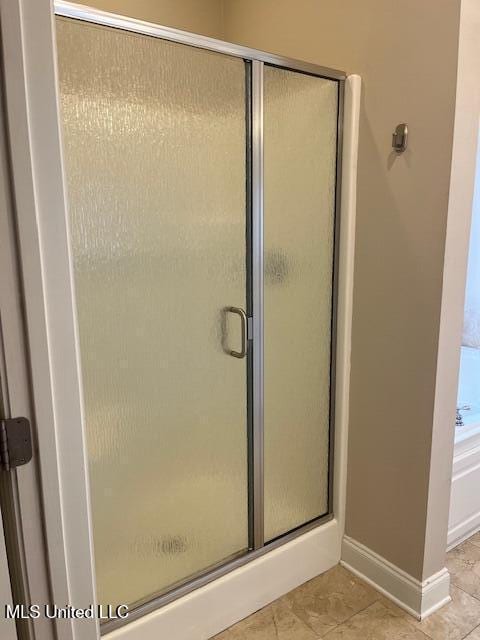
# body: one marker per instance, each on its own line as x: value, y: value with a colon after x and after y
x: 243, y: 317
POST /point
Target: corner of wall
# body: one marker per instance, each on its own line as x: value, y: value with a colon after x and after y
x: 462, y: 184
x: 419, y: 598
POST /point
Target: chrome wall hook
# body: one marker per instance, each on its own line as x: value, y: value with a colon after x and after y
x: 400, y: 138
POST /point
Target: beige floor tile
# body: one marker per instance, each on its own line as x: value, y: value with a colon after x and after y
x: 258, y: 626
x: 463, y: 562
x: 275, y: 622
x: 288, y: 625
x: 327, y: 601
x: 377, y: 622
x: 225, y: 635
x: 475, y: 539
x: 339, y: 606
x: 452, y: 622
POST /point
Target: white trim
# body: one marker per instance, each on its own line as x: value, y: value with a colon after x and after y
x: 419, y: 599
x: 28, y: 39
x: 465, y: 434
x: 7, y: 625
x: 16, y: 400
x: 464, y: 519
x: 462, y: 183
x: 461, y: 532
x: 467, y: 455
x: 351, y: 125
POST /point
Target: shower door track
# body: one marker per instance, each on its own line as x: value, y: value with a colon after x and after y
x: 255, y: 61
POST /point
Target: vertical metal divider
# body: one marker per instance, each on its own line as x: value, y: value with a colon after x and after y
x: 335, y: 273
x: 257, y: 304
x: 249, y: 298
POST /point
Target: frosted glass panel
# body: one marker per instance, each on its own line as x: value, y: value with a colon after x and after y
x: 154, y: 137
x: 300, y: 124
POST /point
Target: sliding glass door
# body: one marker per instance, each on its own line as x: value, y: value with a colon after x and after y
x: 202, y: 198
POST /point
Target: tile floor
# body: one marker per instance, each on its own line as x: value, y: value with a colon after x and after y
x: 339, y: 606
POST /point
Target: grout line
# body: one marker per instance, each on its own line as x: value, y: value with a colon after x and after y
x: 403, y: 617
x: 465, y: 591
x: 277, y: 636
x: 365, y: 584
x: 357, y: 579
x: 380, y: 597
x: 477, y: 627
x: 350, y: 617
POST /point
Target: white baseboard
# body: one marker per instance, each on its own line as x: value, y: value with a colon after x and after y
x: 419, y: 599
x: 464, y: 519
x: 209, y: 610
x: 463, y: 531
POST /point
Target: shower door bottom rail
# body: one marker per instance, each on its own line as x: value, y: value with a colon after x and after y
x: 210, y: 574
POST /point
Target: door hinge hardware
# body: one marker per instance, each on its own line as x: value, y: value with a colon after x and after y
x: 15, y: 443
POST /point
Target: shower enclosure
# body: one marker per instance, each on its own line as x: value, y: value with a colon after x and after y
x: 191, y: 295
x: 205, y: 311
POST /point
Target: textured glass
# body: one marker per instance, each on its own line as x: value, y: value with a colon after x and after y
x: 300, y: 124
x: 154, y: 137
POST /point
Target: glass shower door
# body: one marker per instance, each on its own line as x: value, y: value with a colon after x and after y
x: 155, y: 143
x: 300, y: 151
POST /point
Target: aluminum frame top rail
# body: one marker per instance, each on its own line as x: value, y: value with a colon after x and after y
x: 107, y: 19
